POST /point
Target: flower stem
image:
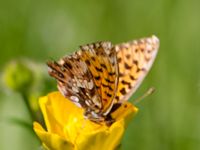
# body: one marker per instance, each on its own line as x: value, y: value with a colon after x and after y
x: 30, y: 111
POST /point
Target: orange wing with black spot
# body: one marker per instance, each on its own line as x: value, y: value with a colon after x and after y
x: 135, y: 59
x: 101, y: 60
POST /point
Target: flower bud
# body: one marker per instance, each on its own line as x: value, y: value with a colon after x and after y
x: 18, y: 76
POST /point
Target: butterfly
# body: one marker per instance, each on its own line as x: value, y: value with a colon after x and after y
x: 100, y: 77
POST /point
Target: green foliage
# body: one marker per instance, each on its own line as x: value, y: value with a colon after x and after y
x: 41, y: 30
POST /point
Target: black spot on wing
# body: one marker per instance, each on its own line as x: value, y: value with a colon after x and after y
x: 127, y: 66
x: 107, y: 80
x: 67, y: 65
x: 98, y: 69
x: 119, y: 60
x: 117, y: 98
x: 132, y: 77
x: 128, y: 56
x: 109, y: 95
x: 107, y: 86
x: 123, y: 91
x: 103, y: 66
x: 140, y: 69
x: 126, y: 83
x: 111, y: 73
x: 135, y: 62
x: 93, y: 58
x: 97, y: 77
x: 125, y: 106
x: 121, y: 74
x: 87, y: 62
x: 110, y: 88
x: 97, y: 87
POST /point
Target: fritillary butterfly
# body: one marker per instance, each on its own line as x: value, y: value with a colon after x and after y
x: 100, y: 77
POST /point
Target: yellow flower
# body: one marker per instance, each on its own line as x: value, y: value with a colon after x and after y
x: 67, y: 129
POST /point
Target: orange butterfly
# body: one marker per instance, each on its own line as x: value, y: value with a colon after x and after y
x: 100, y: 77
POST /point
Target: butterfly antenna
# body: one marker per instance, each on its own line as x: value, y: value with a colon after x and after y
x: 147, y: 93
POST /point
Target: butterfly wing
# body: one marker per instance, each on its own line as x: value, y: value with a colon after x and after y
x: 102, y: 62
x: 75, y: 81
x: 88, y: 77
x: 135, y: 59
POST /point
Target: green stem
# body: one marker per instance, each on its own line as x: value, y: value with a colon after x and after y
x: 30, y: 111
x: 119, y: 147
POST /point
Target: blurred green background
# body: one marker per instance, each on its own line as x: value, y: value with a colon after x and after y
x: 39, y: 30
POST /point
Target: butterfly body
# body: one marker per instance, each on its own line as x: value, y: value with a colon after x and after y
x: 100, y: 76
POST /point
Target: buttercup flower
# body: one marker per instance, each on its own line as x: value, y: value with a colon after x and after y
x: 67, y: 129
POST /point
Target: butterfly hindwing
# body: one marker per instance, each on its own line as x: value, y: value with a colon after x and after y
x: 76, y: 82
x: 135, y: 59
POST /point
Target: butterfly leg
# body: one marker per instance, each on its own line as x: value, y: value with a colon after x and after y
x: 91, y: 115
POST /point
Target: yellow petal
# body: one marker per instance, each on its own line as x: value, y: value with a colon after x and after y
x: 50, y: 140
x: 105, y: 138
x: 77, y: 127
x: 67, y: 127
x: 62, y: 108
x: 51, y: 123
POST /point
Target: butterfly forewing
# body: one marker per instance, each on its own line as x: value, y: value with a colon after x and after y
x: 134, y: 60
x: 102, y: 62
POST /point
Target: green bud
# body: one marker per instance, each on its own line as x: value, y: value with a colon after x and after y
x: 18, y: 76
